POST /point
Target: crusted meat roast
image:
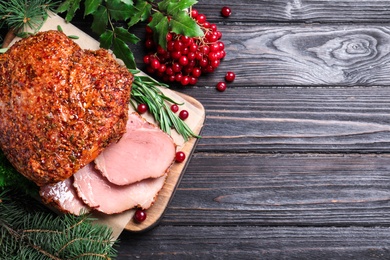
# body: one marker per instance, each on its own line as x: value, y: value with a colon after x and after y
x: 60, y: 105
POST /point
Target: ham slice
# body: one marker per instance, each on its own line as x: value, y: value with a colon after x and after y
x: 143, y: 152
x: 100, y: 194
x: 62, y: 195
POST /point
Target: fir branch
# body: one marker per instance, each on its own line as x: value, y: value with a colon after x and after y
x: 18, y: 15
x: 145, y: 91
x: 28, y: 231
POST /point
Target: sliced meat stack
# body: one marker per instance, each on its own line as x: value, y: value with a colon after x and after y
x: 138, y: 164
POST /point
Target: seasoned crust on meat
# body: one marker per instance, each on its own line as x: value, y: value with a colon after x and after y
x: 60, y: 105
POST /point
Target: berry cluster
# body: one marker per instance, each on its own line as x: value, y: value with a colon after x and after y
x: 186, y: 58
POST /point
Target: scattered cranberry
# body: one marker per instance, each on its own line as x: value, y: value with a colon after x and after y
x: 221, y: 86
x: 183, y: 115
x: 230, y: 76
x: 139, y: 215
x: 174, y: 108
x: 142, y: 108
x: 226, y: 11
x: 180, y: 157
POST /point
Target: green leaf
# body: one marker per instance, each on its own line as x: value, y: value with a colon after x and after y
x: 173, y: 8
x: 142, y: 11
x: 63, y: 7
x: 163, y: 5
x: 125, y: 35
x: 156, y: 18
x: 128, y: 2
x: 100, y: 20
x: 119, y: 10
x: 183, y: 24
x: 123, y: 52
x: 106, y: 39
x: 69, y: 6
x: 91, y: 6
x: 161, y: 31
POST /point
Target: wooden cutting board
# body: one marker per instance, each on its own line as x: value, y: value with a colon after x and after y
x: 123, y: 221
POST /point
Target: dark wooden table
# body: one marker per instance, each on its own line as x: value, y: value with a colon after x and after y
x: 294, y: 161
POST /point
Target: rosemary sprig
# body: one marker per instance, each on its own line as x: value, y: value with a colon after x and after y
x: 145, y: 91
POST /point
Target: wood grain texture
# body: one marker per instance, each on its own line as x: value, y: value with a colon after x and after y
x: 282, y: 11
x: 282, y: 190
x: 255, y: 242
x: 292, y: 120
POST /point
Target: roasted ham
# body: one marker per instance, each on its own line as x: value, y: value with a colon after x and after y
x: 101, y: 195
x: 60, y: 105
x: 144, y: 151
x: 63, y: 196
x: 140, y: 162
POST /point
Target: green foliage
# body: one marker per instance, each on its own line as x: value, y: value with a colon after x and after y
x: 9, y: 177
x: 29, y: 231
x: 18, y: 14
x: 168, y: 15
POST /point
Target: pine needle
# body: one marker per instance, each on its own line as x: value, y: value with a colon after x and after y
x: 28, y: 231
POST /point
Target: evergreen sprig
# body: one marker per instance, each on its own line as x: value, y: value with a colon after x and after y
x: 28, y: 231
x: 17, y: 14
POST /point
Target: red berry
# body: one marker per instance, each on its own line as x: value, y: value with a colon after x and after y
x: 169, y: 37
x: 176, y: 55
x: 185, y: 80
x: 194, y: 13
x: 149, y: 43
x: 193, y: 47
x: 148, y: 30
x: 226, y: 11
x: 142, y: 108
x: 183, y: 115
x: 191, y: 56
x: 221, y: 86
x: 174, y: 108
x: 146, y: 59
x: 193, y: 80
x: 139, y: 215
x: 201, y: 18
x: 230, y: 76
x: 180, y: 157
x: 178, y: 77
x: 214, y: 47
x: 178, y: 45
x: 183, y: 60
x: 176, y: 67
x: 196, y: 72
x: 155, y: 64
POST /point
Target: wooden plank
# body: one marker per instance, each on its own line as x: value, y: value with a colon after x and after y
x: 300, y: 55
x: 362, y: 11
x: 283, y: 190
x: 290, y: 120
x: 238, y: 242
